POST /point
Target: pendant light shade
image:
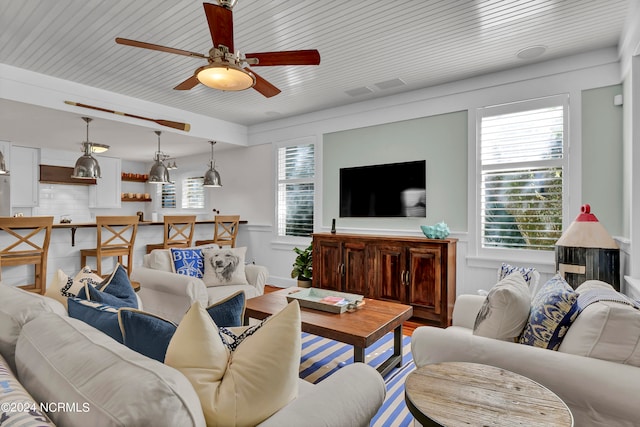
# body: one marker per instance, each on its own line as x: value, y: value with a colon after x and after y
x: 212, y: 177
x: 87, y: 166
x: 3, y: 166
x: 159, y: 173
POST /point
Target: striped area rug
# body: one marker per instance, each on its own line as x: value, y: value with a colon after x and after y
x: 321, y: 357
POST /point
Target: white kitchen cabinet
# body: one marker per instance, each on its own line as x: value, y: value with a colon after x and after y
x: 106, y: 193
x: 24, y: 176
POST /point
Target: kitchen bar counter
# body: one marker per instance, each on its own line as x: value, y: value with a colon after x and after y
x: 73, y: 226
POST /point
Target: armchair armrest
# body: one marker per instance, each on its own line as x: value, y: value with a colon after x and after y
x: 350, y: 397
x: 168, y: 295
x: 466, y: 310
x: 256, y: 276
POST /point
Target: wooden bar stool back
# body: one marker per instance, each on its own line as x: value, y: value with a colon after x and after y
x: 116, y: 236
x: 225, y: 231
x: 178, y: 232
x: 27, y: 243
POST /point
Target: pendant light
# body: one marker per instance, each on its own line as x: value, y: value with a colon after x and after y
x: 212, y: 177
x: 87, y: 166
x: 159, y: 173
x: 3, y: 166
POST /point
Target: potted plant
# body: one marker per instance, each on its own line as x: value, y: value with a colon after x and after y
x: 303, y: 267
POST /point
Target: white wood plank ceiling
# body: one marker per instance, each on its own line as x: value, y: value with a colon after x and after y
x: 365, y: 45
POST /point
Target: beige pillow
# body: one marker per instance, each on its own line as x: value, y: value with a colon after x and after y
x: 248, y: 385
x: 224, y: 266
x: 607, y: 330
x: 505, y: 311
x: 63, y: 286
x: 159, y: 259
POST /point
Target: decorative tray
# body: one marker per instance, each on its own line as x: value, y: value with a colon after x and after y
x: 326, y: 300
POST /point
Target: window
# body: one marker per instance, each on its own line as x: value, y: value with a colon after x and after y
x: 168, y: 195
x: 296, y: 189
x: 522, y: 168
x: 193, y: 193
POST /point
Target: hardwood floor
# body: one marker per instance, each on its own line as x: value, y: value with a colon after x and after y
x: 407, y: 327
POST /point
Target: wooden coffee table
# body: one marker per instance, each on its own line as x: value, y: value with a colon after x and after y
x: 472, y: 394
x: 360, y: 328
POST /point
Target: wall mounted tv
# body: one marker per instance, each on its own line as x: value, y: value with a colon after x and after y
x: 387, y: 190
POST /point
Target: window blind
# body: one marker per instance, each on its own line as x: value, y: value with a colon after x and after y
x: 296, y: 190
x: 521, y: 185
x: 193, y: 193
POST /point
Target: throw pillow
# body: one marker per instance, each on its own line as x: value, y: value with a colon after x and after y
x: 18, y: 408
x: 553, y: 309
x: 145, y: 333
x: 607, y: 327
x: 101, y: 316
x: 115, y: 290
x: 63, y: 286
x: 506, y: 309
x: 224, y: 267
x: 248, y: 385
x: 188, y: 261
x: 530, y: 275
x: 228, y: 312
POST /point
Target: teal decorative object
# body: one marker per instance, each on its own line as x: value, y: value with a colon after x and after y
x: 438, y: 231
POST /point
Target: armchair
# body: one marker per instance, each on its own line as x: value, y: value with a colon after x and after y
x: 170, y: 295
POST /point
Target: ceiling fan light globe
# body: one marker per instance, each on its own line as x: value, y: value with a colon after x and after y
x: 226, y: 77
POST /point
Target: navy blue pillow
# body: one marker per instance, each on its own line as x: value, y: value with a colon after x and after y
x: 115, y: 290
x: 100, y: 316
x: 145, y: 333
x: 228, y: 312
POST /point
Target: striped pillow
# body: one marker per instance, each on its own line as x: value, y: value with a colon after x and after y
x: 17, y: 407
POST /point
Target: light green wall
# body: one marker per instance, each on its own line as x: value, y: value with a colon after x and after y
x: 602, y: 167
x: 441, y: 140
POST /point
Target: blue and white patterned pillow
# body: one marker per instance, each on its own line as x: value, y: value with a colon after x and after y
x: 530, y: 275
x: 553, y: 310
x: 189, y: 262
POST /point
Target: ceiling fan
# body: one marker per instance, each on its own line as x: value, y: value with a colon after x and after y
x: 227, y: 70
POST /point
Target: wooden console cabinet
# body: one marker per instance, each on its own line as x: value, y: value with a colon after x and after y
x: 410, y: 270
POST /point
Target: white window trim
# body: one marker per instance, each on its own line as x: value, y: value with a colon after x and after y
x: 479, y: 256
x: 294, y: 240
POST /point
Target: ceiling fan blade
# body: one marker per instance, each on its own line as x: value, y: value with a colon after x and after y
x: 263, y: 86
x: 190, y: 83
x: 220, y: 21
x: 152, y: 46
x: 291, y: 57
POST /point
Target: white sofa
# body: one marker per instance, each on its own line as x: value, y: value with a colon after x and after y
x: 598, y: 392
x: 170, y: 295
x: 91, y: 380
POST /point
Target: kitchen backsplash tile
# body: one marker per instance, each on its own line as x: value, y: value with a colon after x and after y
x: 64, y: 200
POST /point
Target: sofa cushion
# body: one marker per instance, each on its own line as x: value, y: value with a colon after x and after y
x: 101, y: 316
x: 65, y: 360
x: 224, y: 267
x: 145, y: 333
x: 607, y: 330
x: 505, y: 310
x: 188, y: 261
x: 63, y: 286
x: 17, y: 307
x: 159, y: 259
x: 530, y: 275
x: 553, y: 309
x: 248, y: 385
x: 115, y: 290
x: 17, y: 407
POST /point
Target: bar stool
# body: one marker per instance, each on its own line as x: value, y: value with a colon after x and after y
x: 28, y: 243
x: 225, y: 231
x: 116, y: 236
x: 178, y: 232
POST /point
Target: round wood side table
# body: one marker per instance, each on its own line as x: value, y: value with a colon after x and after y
x: 471, y: 394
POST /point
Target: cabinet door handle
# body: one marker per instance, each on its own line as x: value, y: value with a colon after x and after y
x: 344, y: 269
x: 406, y: 278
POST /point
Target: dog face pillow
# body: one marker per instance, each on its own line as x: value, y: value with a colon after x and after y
x: 224, y: 266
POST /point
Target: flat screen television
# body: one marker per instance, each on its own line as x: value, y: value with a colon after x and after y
x: 386, y: 190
